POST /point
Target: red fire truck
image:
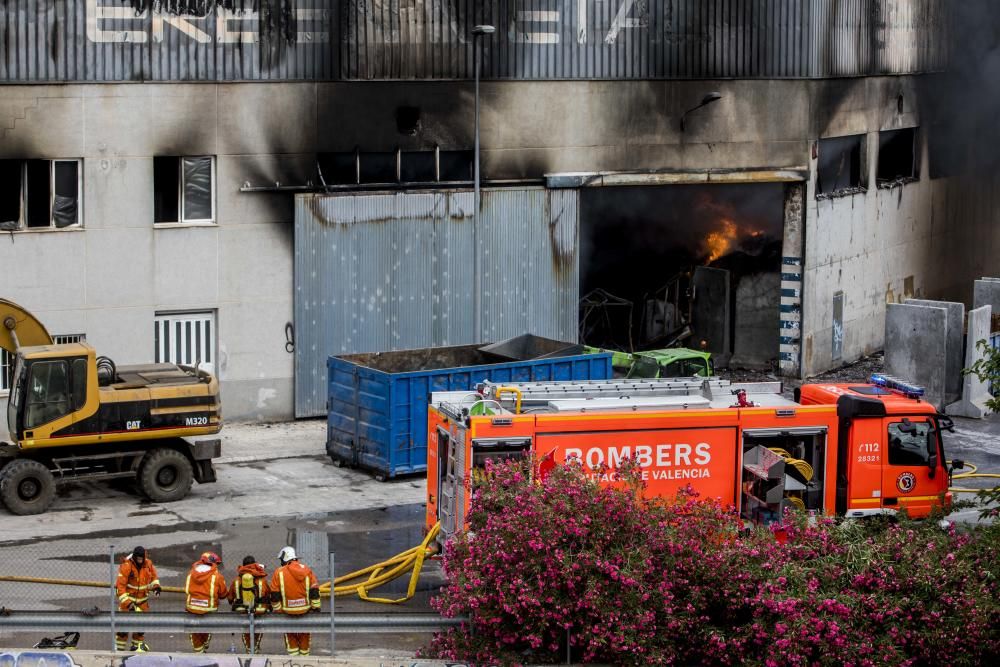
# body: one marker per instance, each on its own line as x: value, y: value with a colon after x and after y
x: 847, y: 449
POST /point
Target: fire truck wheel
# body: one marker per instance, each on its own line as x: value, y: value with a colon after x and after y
x: 165, y: 475
x: 27, y: 487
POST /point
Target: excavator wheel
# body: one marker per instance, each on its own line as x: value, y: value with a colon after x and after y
x: 27, y: 487
x: 165, y: 475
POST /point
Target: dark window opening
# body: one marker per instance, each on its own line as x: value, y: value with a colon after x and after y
x: 10, y: 194
x: 417, y: 167
x: 378, y: 168
x: 337, y: 168
x: 897, y: 155
x: 183, y: 189
x: 166, y: 185
x: 841, y: 164
x: 39, y: 194
x: 456, y: 166
x: 405, y: 167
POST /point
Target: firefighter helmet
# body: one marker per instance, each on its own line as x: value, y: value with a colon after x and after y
x: 211, y: 558
x: 287, y: 554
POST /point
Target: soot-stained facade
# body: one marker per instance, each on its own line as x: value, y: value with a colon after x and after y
x: 151, y: 152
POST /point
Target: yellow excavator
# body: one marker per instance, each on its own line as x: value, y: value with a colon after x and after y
x: 75, y: 416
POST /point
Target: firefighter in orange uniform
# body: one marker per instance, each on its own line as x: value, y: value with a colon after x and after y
x: 204, y: 588
x: 250, y: 594
x: 294, y: 591
x: 136, y: 578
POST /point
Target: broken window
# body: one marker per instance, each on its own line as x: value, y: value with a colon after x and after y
x: 405, y: 167
x: 184, y: 189
x: 897, y: 156
x: 841, y: 164
x: 39, y: 194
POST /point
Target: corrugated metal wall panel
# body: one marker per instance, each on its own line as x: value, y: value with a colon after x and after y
x: 109, y: 40
x: 379, y: 271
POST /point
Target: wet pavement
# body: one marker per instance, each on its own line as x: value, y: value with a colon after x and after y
x: 276, y: 487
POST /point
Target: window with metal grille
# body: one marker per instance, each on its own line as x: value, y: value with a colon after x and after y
x: 62, y: 339
x: 6, y: 368
x: 185, y: 338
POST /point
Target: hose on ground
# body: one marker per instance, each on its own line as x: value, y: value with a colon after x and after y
x: 973, y: 473
x: 360, y: 582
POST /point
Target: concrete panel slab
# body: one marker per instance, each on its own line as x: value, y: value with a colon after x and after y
x: 119, y: 267
x: 118, y: 192
x: 261, y: 400
x: 185, y: 121
x: 986, y: 292
x: 268, y: 118
x: 975, y: 392
x: 915, y: 347
x: 39, y: 125
x: 186, y: 266
x: 233, y: 171
x: 124, y: 334
x: 45, y: 270
x: 255, y: 263
x: 116, y: 125
x: 955, y: 344
x: 252, y: 341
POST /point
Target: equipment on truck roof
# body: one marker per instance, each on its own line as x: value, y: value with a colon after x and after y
x: 75, y: 416
x: 850, y: 449
x: 671, y: 362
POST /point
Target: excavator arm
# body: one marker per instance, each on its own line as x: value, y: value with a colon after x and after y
x: 19, y: 328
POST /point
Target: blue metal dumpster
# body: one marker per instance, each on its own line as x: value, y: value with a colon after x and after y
x: 377, y: 403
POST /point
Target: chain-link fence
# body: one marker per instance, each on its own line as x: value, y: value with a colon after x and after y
x: 76, y: 576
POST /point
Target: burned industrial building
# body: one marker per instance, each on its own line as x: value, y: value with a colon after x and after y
x: 266, y: 183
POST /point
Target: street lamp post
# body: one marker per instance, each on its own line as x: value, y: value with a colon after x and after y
x: 477, y: 32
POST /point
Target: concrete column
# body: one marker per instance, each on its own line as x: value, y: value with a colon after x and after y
x: 915, y: 347
x: 790, y: 316
x: 975, y: 393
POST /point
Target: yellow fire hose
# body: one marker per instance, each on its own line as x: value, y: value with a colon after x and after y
x: 973, y: 473
x: 411, y: 560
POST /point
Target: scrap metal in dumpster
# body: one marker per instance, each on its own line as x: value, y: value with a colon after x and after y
x: 377, y: 402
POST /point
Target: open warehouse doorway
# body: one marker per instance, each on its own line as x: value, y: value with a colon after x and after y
x: 694, y: 265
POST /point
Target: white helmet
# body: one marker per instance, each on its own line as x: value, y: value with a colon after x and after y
x: 287, y: 554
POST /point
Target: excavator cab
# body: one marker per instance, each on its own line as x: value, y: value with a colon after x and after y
x: 51, y: 386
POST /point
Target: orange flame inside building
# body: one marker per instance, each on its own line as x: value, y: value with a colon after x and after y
x: 720, y: 242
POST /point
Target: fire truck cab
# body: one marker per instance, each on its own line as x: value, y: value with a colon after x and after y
x: 847, y: 449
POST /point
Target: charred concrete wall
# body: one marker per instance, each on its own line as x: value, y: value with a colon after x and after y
x: 108, y: 278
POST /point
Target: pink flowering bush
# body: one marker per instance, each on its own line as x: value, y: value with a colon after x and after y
x: 626, y: 580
